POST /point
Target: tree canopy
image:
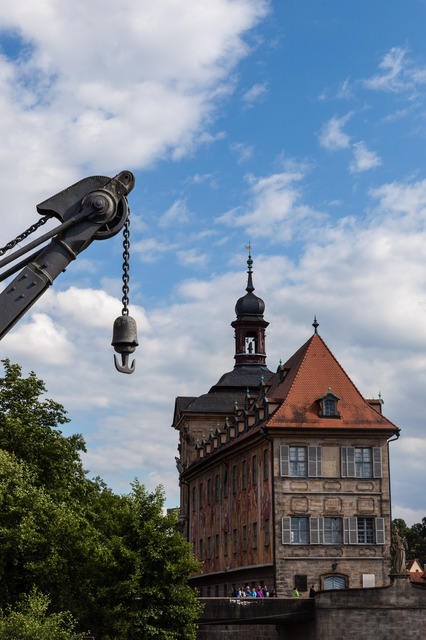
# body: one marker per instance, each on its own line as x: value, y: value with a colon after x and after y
x: 112, y: 564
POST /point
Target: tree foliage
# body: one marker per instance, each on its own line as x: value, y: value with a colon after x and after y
x: 114, y: 562
x: 30, y: 620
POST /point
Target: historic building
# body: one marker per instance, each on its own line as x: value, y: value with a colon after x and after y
x: 284, y: 476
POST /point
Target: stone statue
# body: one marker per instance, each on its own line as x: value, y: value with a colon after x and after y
x: 398, y: 550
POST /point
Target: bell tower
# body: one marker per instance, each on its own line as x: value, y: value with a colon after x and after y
x: 250, y: 326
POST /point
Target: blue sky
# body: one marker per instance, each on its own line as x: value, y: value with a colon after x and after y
x: 297, y: 126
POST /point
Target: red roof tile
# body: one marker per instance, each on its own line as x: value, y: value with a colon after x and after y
x: 309, y: 374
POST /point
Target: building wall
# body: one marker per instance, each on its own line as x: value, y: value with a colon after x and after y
x: 229, y: 506
x: 331, y: 496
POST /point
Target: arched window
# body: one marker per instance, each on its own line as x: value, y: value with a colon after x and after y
x: 334, y: 582
x: 251, y: 342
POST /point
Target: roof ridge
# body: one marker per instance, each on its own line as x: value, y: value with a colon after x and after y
x: 305, y: 346
x: 352, y: 382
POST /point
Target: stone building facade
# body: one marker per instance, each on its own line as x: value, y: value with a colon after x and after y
x: 284, y: 476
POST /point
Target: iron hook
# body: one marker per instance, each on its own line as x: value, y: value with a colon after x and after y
x: 124, y: 366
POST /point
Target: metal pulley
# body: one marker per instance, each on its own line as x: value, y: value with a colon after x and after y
x: 124, y: 335
x: 124, y: 341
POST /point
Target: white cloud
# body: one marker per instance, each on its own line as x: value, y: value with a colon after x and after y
x: 78, y: 97
x: 345, y: 90
x: 243, y: 151
x: 397, y: 73
x: 276, y: 210
x: 255, y: 94
x: 151, y: 249
x: 364, y: 160
x: 192, y: 258
x: 177, y: 213
x: 391, y: 76
x: 410, y: 516
x: 332, y: 137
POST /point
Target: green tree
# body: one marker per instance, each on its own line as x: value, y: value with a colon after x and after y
x: 115, y: 562
x: 31, y: 621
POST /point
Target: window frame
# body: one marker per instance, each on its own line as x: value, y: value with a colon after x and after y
x: 351, y: 468
x: 254, y: 470
x: 266, y: 464
x: 234, y: 479
x: 244, y: 475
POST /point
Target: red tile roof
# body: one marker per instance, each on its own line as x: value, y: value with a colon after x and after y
x: 309, y: 374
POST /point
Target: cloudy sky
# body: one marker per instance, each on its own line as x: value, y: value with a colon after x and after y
x: 297, y: 126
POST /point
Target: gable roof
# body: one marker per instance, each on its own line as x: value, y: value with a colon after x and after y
x: 308, y: 375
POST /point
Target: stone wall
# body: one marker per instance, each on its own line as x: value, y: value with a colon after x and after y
x: 395, y: 612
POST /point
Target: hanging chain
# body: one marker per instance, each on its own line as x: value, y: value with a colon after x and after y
x: 126, y: 277
x: 24, y: 235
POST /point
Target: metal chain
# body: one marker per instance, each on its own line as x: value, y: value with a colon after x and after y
x: 126, y: 277
x: 24, y: 235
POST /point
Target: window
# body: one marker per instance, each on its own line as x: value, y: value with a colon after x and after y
x: 234, y: 540
x: 245, y: 538
x: 201, y: 502
x: 234, y: 479
x: 250, y: 342
x: 329, y: 530
x: 209, y: 491
x: 364, y: 531
x: 225, y: 483
x: 328, y: 406
x: 267, y: 533
x: 201, y: 549
x: 226, y: 542
x: 295, y: 530
x: 244, y: 474
x: 265, y: 464
x: 332, y: 530
x: 194, y: 498
x: 361, y: 462
x: 217, y: 487
x: 301, y: 582
x: 254, y: 535
x: 297, y: 457
x: 294, y: 463
x: 217, y: 545
x: 334, y: 582
x: 325, y: 530
x: 254, y: 470
x: 209, y: 547
x: 365, y: 528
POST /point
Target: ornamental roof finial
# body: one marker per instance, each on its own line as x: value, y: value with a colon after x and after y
x: 315, y: 325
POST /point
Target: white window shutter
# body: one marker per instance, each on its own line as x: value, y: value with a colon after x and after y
x: 350, y: 531
x: 377, y: 462
x: 284, y: 460
x: 314, y: 462
x: 316, y: 526
x: 348, y: 462
x: 286, y: 529
x: 344, y: 471
x: 380, y: 530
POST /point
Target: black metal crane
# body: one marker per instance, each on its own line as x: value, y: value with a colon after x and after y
x: 94, y: 208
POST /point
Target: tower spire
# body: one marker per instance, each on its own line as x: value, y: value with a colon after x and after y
x: 250, y: 325
x: 249, y: 287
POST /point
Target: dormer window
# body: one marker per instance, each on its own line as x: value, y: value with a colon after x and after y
x: 328, y: 405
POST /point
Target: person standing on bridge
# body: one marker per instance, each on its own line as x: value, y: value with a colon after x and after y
x: 295, y: 593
